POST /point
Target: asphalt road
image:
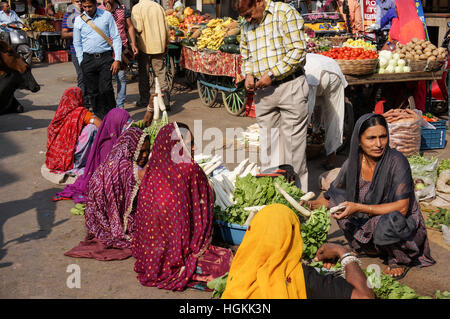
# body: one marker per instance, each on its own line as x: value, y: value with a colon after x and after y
x: 35, y: 232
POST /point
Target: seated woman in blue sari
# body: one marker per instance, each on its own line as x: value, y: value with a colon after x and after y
x: 381, y: 215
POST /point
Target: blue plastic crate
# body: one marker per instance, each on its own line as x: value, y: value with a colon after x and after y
x: 431, y: 139
x: 231, y: 233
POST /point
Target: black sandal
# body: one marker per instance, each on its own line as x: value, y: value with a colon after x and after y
x: 395, y: 266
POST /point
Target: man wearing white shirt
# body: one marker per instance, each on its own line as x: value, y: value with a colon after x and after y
x: 96, y: 56
x: 326, y: 88
x: 7, y: 15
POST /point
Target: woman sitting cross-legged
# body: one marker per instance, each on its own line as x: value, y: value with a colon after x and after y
x: 173, y: 227
x: 69, y: 138
x: 381, y: 215
x: 111, y: 200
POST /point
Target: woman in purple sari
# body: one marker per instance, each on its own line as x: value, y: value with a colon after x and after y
x: 111, y: 205
x: 380, y: 214
x: 114, y: 123
x: 172, y: 241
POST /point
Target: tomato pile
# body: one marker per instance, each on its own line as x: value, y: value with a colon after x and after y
x: 346, y: 53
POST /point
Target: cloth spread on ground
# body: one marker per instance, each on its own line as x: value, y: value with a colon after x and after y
x: 267, y: 264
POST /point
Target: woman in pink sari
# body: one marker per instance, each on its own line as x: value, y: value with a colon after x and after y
x: 173, y: 226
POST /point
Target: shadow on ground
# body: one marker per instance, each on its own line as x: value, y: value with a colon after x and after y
x: 45, y: 216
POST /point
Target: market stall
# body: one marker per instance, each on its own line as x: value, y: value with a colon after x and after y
x: 44, y: 33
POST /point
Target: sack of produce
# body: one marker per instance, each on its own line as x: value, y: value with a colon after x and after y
x: 424, y: 173
x: 404, y: 130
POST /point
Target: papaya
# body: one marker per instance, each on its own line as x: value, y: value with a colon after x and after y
x: 231, y: 40
x: 185, y: 42
x: 233, y: 48
x: 232, y: 32
x: 179, y: 33
x: 192, y: 42
x: 196, y: 33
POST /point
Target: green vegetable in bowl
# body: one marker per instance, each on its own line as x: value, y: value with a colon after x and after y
x: 443, y: 165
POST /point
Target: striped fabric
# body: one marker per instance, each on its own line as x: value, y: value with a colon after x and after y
x: 277, y: 44
x: 120, y: 15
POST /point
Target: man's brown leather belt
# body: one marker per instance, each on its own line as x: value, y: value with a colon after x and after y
x: 290, y: 77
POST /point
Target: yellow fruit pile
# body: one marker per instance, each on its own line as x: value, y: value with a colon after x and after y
x: 172, y: 21
x: 360, y: 43
x: 42, y: 26
x: 214, y: 33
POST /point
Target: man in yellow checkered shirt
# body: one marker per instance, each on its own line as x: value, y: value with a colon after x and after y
x: 273, y: 53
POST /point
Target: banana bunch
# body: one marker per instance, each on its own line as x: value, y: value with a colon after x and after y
x: 42, y: 26
x: 214, y: 23
x: 172, y: 21
x: 212, y: 36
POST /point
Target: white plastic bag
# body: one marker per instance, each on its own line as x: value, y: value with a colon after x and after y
x: 446, y: 234
x: 429, y: 192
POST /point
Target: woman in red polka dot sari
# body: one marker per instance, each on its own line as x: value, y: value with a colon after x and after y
x: 174, y: 218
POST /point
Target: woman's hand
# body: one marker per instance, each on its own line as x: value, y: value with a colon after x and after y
x: 329, y: 253
x: 314, y: 204
x: 350, y: 209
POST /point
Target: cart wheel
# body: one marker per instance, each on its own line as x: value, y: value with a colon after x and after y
x: 191, y: 77
x: 207, y: 95
x: 235, y: 101
x: 170, y: 72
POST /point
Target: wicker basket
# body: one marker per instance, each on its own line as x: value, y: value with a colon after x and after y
x: 435, y: 65
x: 417, y: 66
x: 338, y: 40
x: 358, y: 67
x: 425, y: 66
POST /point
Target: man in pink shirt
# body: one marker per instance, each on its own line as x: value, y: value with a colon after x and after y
x: 122, y: 17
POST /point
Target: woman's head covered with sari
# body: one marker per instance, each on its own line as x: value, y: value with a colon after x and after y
x: 267, y: 264
x: 63, y: 131
x: 114, y: 123
x: 174, y: 214
x: 407, y: 25
x: 391, y: 180
x: 112, y: 190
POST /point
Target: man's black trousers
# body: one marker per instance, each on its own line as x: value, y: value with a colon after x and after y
x: 97, y: 78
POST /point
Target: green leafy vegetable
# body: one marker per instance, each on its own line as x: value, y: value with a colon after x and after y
x: 314, y: 232
x: 252, y: 191
x: 218, y: 284
x: 153, y: 129
x: 435, y: 220
x: 443, y: 295
x: 443, y: 165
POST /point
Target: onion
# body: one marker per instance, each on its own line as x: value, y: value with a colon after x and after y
x: 390, y: 69
x: 381, y: 71
x: 398, y: 69
x: 406, y: 69
x: 392, y: 62
x: 386, y: 54
x: 401, y: 62
x: 396, y: 56
x: 383, y: 62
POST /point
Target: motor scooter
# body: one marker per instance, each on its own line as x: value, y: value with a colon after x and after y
x: 18, y: 40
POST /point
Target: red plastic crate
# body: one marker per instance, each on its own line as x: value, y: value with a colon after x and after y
x: 57, y: 56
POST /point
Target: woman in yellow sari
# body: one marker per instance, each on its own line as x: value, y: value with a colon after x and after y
x: 268, y: 264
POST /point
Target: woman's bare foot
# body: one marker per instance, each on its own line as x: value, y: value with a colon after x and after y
x: 396, y: 271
